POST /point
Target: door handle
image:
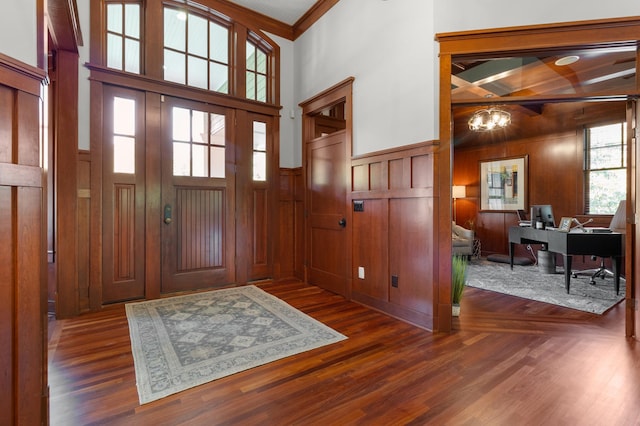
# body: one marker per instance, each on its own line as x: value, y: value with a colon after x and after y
x: 342, y: 222
x: 167, y: 214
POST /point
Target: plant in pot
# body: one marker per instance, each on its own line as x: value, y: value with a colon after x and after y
x: 458, y: 281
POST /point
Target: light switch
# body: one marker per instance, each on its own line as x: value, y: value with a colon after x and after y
x: 361, y: 272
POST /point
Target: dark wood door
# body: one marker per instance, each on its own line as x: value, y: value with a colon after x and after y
x: 198, y: 197
x: 327, y: 262
x: 123, y: 171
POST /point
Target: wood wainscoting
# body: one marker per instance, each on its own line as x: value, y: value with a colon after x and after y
x: 290, y: 260
x: 23, y: 243
x: 392, y: 196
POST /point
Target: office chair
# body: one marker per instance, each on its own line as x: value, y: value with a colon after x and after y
x: 618, y: 224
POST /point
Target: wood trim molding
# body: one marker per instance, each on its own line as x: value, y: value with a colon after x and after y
x: 20, y: 175
x: 312, y: 16
x: 64, y: 24
x: 148, y: 84
x: 21, y: 76
x: 540, y: 37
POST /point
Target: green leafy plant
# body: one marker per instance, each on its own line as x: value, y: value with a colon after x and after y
x: 458, y: 278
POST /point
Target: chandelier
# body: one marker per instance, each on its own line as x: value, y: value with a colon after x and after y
x: 489, y: 119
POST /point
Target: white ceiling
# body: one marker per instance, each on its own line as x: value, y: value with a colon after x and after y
x: 287, y: 11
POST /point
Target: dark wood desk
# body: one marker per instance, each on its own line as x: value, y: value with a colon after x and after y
x: 571, y: 243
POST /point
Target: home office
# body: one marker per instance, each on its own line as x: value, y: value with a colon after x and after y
x: 567, y: 163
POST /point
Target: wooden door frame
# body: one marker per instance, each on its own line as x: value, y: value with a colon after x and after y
x: 342, y: 91
x: 511, y: 41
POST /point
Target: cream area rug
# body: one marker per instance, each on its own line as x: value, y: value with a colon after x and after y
x: 530, y: 283
x: 185, y: 341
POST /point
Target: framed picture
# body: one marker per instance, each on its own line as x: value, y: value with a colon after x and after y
x: 503, y: 184
x: 565, y: 224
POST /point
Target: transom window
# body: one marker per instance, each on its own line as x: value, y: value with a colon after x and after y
x: 196, y: 51
x: 256, y: 73
x: 198, y: 143
x: 605, y: 168
x: 123, y: 36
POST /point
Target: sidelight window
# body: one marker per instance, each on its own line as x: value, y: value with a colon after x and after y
x: 123, y: 36
x: 605, y: 162
x: 259, y: 151
x: 124, y: 133
x: 198, y: 143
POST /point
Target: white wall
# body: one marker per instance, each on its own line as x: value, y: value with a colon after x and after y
x: 18, y: 30
x: 288, y: 128
x: 388, y: 47
x: 460, y: 15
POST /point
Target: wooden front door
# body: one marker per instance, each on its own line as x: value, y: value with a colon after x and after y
x: 198, y: 197
x: 326, y: 213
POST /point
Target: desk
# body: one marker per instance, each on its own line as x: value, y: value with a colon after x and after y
x: 571, y: 243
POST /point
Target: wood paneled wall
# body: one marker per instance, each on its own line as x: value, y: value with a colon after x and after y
x: 290, y: 259
x: 23, y: 245
x: 394, y: 234
x: 553, y: 142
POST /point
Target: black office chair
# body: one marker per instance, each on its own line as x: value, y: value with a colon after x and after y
x: 618, y: 224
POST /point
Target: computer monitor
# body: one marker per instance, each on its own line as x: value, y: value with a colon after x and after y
x: 542, y: 213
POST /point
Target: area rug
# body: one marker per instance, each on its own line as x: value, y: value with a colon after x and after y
x: 529, y: 283
x: 185, y: 341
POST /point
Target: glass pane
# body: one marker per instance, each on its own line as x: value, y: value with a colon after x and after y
x: 259, y: 166
x: 174, y: 66
x: 124, y: 116
x: 199, y: 161
x: 217, y: 162
x: 198, y: 72
x: 114, y: 51
x: 132, y: 56
x: 606, y: 189
x: 261, y: 61
x: 197, y: 36
x: 199, y: 126
x: 594, y: 70
x: 174, y: 29
x: 251, y: 85
x: 606, y: 158
x: 181, y: 127
x: 114, y: 18
x: 124, y: 154
x: 259, y: 136
x: 605, y: 135
x: 132, y: 20
x: 261, y: 92
x: 219, y: 75
x: 251, y: 57
x: 181, y: 159
x: 218, y: 43
x: 217, y: 129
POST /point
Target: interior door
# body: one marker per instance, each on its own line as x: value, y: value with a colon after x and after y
x: 198, y: 187
x: 326, y: 212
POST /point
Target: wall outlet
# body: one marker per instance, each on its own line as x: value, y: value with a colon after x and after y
x: 361, y: 272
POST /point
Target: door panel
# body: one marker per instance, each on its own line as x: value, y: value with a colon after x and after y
x: 197, y: 197
x: 326, y: 197
x: 123, y: 195
x: 632, y: 241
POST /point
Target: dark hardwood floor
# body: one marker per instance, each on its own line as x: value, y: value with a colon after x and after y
x: 509, y: 361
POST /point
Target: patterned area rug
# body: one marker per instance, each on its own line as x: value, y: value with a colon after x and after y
x: 529, y: 283
x: 185, y: 341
